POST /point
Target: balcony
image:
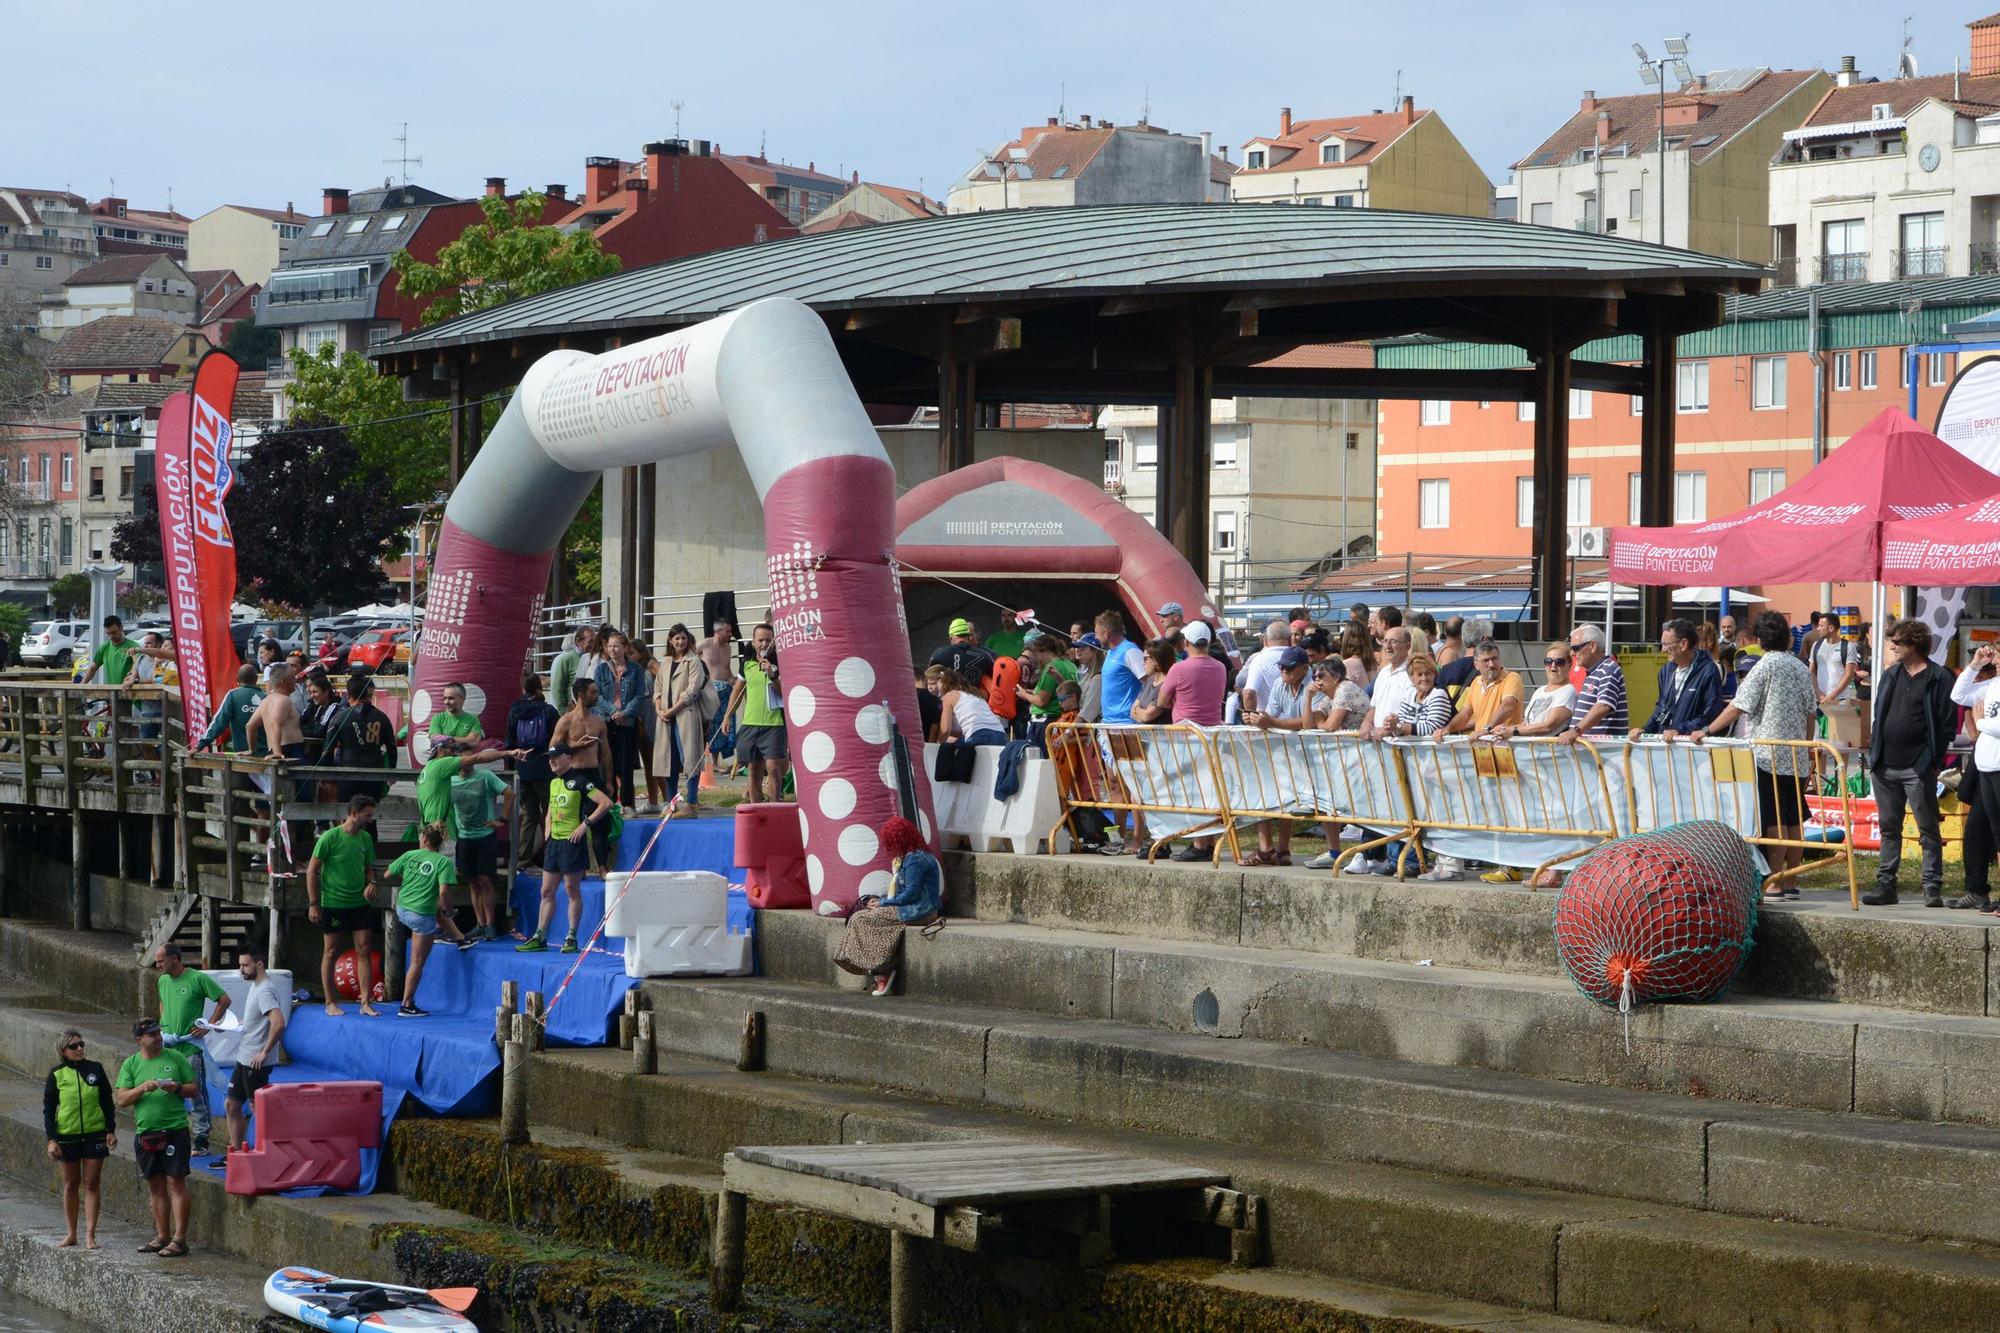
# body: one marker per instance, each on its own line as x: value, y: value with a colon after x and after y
x: 1925, y: 263
x: 1787, y: 270
x: 1844, y: 268
x: 32, y: 567
x: 23, y: 240
x: 120, y: 437
x: 278, y: 371
x: 1985, y: 258
x: 32, y: 492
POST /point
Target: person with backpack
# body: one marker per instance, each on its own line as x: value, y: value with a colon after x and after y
x: 531, y: 726
x: 361, y: 737
x: 567, y: 836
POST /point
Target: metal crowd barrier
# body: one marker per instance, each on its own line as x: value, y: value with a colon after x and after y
x: 1528, y: 785
x: 1166, y: 777
x: 1333, y: 776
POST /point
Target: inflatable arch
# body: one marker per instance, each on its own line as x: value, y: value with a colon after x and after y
x: 765, y: 378
x: 1031, y: 525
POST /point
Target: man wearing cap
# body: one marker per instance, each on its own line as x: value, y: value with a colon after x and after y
x: 1285, y: 709
x: 1173, y: 619
x: 1260, y: 673
x: 156, y: 1083
x: 963, y: 654
x: 1192, y: 692
x: 1045, y: 666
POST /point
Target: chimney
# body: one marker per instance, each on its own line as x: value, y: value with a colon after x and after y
x: 1409, y: 109
x: 1207, y: 145
x: 1603, y: 128
x: 856, y: 180
x: 1848, y: 75
x: 333, y: 200
x: 1052, y: 122
x: 811, y: 165
x: 1284, y: 121
x: 600, y: 178
x: 1589, y: 100
x: 496, y: 187
x: 288, y: 209
x: 559, y: 193
x: 1985, y: 49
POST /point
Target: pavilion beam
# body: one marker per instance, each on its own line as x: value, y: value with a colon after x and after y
x: 1185, y: 450
x: 1656, y: 458
x: 958, y: 380
x: 1551, y: 473
x: 628, y: 549
x: 1601, y: 377
x: 1005, y: 379
x: 456, y: 460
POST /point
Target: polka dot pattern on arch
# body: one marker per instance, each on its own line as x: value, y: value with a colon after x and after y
x: 872, y: 724
x: 836, y: 798
x: 858, y: 844
x: 800, y: 706
x: 854, y: 677
x: 816, y: 752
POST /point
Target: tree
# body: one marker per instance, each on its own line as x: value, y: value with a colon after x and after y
x: 70, y: 595
x: 405, y: 442
x: 136, y: 537
x: 141, y: 599
x: 312, y: 521
x: 253, y: 347
x: 509, y: 255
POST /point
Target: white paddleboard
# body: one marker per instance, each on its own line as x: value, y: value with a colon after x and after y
x: 321, y: 1300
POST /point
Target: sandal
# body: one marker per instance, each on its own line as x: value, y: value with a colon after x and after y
x: 155, y: 1245
x: 173, y: 1250
x: 1251, y: 859
x: 1279, y: 859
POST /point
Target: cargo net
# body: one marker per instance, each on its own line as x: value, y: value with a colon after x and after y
x: 1659, y: 916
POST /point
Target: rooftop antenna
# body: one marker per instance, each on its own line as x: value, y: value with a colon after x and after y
x: 1397, y: 100
x: 403, y: 159
x: 677, y: 105
x: 760, y: 146
x: 170, y: 198
x: 1146, y: 106
x: 1062, y: 102
x: 1906, y: 62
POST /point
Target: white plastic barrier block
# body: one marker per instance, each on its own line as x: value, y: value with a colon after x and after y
x: 968, y: 814
x: 222, y: 1043
x: 675, y: 923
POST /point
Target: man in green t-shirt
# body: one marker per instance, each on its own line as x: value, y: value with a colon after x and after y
x: 1010, y: 640
x: 185, y: 994
x: 760, y: 732
x: 474, y: 817
x: 454, y: 720
x: 112, y: 662
x: 233, y: 714
x: 578, y: 809
x: 339, y: 889
x: 156, y: 1084
x: 423, y: 873
x: 1042, y: 663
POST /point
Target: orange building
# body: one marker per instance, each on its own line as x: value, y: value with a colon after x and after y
x: 1455, y: 477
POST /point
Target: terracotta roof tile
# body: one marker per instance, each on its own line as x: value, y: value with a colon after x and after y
x: 124, y: 268
x: 1325, y: 356
x: 1635, y: 119
x: 1857, y: 102
x: 839, y: 222
x: 1377, y: 129
x: 116, y: 341
x: 113, y: 396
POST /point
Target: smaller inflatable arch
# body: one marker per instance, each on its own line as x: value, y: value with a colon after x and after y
x: 1034, y: 527
x: 767, y: 380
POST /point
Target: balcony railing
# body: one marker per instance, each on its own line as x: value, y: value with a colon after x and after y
x: 1787, y: 271
x: 1843, y: 268
x: 24, y: 240
x: 110, y: 438
x: 1925, y: 263
x: 34, y: 567
x: 1985, y: 258
x: 32, y: 492
x: 278, y: 371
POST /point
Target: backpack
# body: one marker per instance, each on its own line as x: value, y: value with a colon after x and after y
x: 531, y: 730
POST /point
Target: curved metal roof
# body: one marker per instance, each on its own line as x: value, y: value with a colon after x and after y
x: 1058, y: 253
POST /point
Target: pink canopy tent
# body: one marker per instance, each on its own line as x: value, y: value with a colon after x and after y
x: 1953, y: 550
x: 1826, y: 527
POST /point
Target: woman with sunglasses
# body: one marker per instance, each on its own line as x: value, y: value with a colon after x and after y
x: 1549, y: 707
x: 82, y: 1127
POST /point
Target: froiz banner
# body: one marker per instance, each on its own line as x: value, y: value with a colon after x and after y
x: 193, y: 479
x: 174, y: 487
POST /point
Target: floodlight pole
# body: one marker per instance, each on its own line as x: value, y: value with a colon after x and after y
x: 1658, y: 69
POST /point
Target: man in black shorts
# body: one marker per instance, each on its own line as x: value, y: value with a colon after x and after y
x: 340, y: 883
x: 156, y: 1084
x: 257, y: 1048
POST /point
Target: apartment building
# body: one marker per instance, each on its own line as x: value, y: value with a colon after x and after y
x: 1603, y: 169
x: 1061, y: 164
x: 250, y: 241
x: 125, y: 349
x: 867, y: 204
x: 678, y: 199
x: 796, y: 192
x: 45, y: 236
x: 122, y: 229
x: 151, y: 284
x: 1406, y: 158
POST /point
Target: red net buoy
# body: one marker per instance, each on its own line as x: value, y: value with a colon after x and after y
x: 348, y: 984
x: 1667, y: 915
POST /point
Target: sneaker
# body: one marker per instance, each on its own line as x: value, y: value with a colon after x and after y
x: 201, y: 1147
x: 1090, y: 846
x: 1324, y: 861
x: 1967, y: 902
x: 1879, y: 898
x: 1934, y: 900
x: 1189, y: 854
x: 1363, y: 865
x: 1445, y: 869
x: 466, y: 942
x: 1993, y: 906
x: 1112, y: 849
x: 569, y: 943
x: 411, y: 1011
x: 883, y: 986
x: 533, y: 944
x: 1385, y: 867
x: 1503, y: 875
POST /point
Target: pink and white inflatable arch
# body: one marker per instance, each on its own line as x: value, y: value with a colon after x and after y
x: 767, y: 379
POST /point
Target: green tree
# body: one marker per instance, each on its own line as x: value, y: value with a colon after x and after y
x: 406, y: 442
x: 254, y: 347
x: 140, y: 599
x: 312, y: 520
x: 135, y: 539
x: 510, y: 255
x: 13, y: 624
x: 70, y: 595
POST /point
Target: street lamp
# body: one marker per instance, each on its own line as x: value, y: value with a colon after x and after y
x: 1653, y: 73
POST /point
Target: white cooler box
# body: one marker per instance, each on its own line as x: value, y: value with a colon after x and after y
x: 222, y: 1043
x: 675, y: 923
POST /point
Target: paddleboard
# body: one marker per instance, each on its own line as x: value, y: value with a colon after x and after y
x: 342, y: 1305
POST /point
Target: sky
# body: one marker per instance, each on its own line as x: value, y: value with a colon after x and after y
x: 266, y: 104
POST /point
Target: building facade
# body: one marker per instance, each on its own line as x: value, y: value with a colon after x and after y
x: 1058, y: 165
x: 45, y: 236
x: 146, y: 284
x: 796, y: 192
x: 678, y: 199
x: 1406, y: 159
x: 250, y: 241
x: 867, y: 203
x: 125, y: 349
x: 1603, y: 170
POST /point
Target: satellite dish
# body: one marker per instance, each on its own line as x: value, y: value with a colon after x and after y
x: 1906, y: 65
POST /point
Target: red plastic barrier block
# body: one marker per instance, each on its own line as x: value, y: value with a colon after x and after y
x: 770, y: 848
x: 308, y: 1134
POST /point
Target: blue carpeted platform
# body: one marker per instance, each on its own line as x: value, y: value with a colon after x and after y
x: 687, y: 844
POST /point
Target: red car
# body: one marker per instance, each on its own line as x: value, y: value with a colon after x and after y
x: 376, y: 651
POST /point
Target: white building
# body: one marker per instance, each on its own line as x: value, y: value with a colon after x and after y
x: 1891, y: 179
x: 1406, y: 159
x: 1056, y: 165
x: 143, y: 284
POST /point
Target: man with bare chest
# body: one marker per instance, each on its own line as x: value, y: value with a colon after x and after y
x: 582, y: 727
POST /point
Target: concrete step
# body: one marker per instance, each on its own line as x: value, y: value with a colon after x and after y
x: 1898, y: 1177
x: 1905, y: 957
x: 1544, y: 1252
x: 1810, y: 1054
x: 95, y: 968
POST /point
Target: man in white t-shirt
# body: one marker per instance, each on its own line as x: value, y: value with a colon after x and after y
x: 257, y: 1047
x: 1392, y: 681
x: 1261, y: 672
x: 1832, y: 659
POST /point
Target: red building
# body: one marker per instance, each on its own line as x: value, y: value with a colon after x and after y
x: 679, y: 199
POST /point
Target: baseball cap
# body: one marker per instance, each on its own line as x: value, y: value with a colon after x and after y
x: 1291, y: 657
x: 145, y: 1025
x: 1171, y: 609
x: 1301, y: 625
x: 1196, y: 632
x: 1088, y: 641
x: 960, y: 626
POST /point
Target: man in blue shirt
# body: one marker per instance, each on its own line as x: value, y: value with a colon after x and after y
x: 1124, y: 667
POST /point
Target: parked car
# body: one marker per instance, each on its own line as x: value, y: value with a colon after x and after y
x: 375, y: 650
x: 55, y: 643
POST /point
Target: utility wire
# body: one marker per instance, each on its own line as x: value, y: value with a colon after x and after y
x: 345, y: 425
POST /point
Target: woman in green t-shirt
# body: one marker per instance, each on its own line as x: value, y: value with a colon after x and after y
x: 423, y: 873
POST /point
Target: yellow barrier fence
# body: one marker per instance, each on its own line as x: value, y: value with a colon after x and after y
x: 1528, y: 785
x: 1333, y: 776
x: 1168, y: 777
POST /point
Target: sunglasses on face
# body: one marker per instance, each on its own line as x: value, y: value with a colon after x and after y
x: 1555, y: 661
x: 72, y: 1045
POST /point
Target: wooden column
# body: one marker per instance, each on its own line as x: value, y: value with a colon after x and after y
x: 1184, y: 451
x: 1656, y: 461
x: 627, y: 609
x: 1551, y: 355
x: 958, y: 412
x: 649, y: 496
x: 456, y: 455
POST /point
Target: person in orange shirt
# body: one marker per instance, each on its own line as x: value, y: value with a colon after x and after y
x: 1494, y: 698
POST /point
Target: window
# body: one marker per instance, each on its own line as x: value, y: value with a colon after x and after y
x: 45, y: 261
x: 1436, y: 412
x: 1635, y: 204
x: 1254, y: 158
x: 323, y: 228
x: 1843, y: 371
x: 1541, y: 215
x: 1844, y: 251
x: 1434, y: 502
x: 394, y: 222
x: 381, y: 333
x: 1578, y: 500
x: 1881, y: 111
x: 1767, y: 382
x: 93, y: 541
x: 1923, y: 246
x: 1330, y: 152
x: 96, y: 482
x: 1222, y: 448
x: 359, y: 225
x: 69, y: 472
x: 1343, y: 201
x: 1638, y: 401
x: 24, y: 469
x: 1524, y: 502
x: 1939, y: 366
x: 1114, y: 458
x: 1225, y: 529
x: 1353, y: 440
x: 67, y: 551
x: 1867, y: 368
x: 1145, y: 455
x: 1903, y: 360
x: 1690, y: 497
x: 1524, y: 410
x: 315, y: 336
x: 124, y: 483
x: 1579, y: 404
x: 45, y: 470
x: 1765, y: 482
x: 1633, y: 480
x: 1692, y: 395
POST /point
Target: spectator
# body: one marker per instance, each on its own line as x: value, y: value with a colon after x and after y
x: 113, y: 658
x: 1420, y: 641
x: 967, y: 715
x: 452, y: 720
x: 568, y: 840
x: 621, y: 696
x: 930, y: 703
x: 476, y: 853
x: 150, y: 713
x: 1777, y: 698
x: 420, y: 876
x: 1049, y: 670
x: 257, y: 1048
x: 274, y: 730
x: 1173, y: 619
x: 584, y: 734
x: 316, y: 722
x: 963, y: 654
x: 1690, y: 685
x: 1392, y: 681
x: 185, y: 993
x: 234, y: 712
x: 759, y: 705
x: 1284, y: 707
x: 1385, y: 619
x: 1914, y: 720
x: 1493, y: 699
x: 1600, y: 704
x: 1089, y: 658
x: 156, y: 1083
x: 1318, y: 645
x: 1725, y: 631
x: 1124, y: 664
x: 1334, y: 703
x: 80, y: 1121
x: 1451, y: 645
x: 1261, y: 671
x: 531, y: 727
x: 340, y: 882
x: 1160, y: 659
x: 1009, y: 639
x: 685, y: 705
x: 1194, y: 688
x: 1357, y: 654
x: 1834, y: 665
x: 361, y: 737
x: 1296, y: 631
x: 1424, y: 621
x: 269, y: 657
x: 1424, y: 710
x: 1973, y: 785
x: 647, y: 730
x: 586, y: 666
x: 874, y: 940
x: 718, y: 654
x: 1549, y: 708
